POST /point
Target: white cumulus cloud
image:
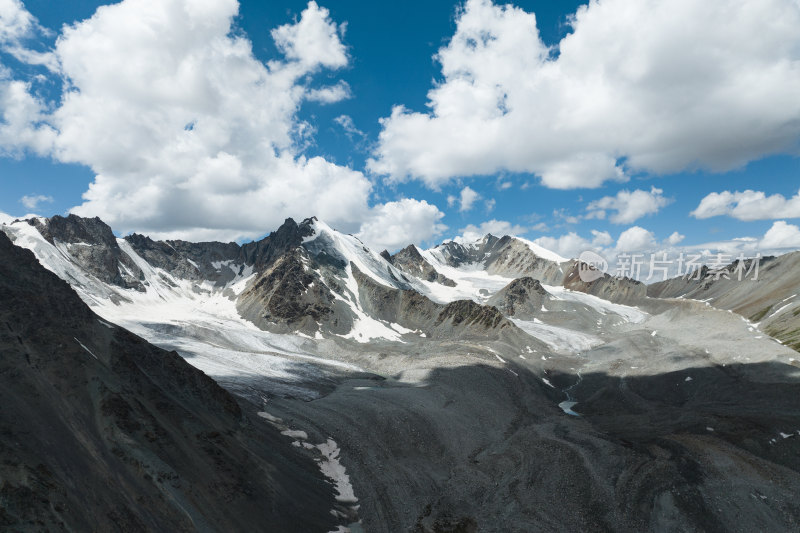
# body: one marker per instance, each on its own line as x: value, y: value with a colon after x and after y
x: 601, y: 238
x: 313, y: 40
x: 16, y: 22
x: 498, y: 228
x: 635, y: 239
x: 32, y: 201
x: 628, y: 206
x: 467, y: 199
x: 781, y: 236
x: 653, y: 85
x: 188, y: 133
x: 330, y: 94
x: 748, y: 205
x: 21, y: 119
x: 568, y: 245
x: 675, y: 238
x: 396, y: 224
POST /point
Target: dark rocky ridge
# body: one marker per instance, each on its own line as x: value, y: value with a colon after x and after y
x: 265, y: 251
x: 408, y: 308
x: 187, y: 260
x: 103, y: 258
x: 456, y: 254
x: 100, y: 430
x: 196, y: 260
x: 410, y: 261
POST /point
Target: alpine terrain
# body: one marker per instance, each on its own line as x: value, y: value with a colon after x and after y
x: 305, y: 382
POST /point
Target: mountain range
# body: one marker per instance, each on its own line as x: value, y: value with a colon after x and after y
x: 472, y: 386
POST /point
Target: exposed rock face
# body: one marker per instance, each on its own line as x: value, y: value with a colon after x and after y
x: 466, y: 313
x: 410, y: 261
x: 100, y: 430
x: 217, y: 261
x: 267, y: 250
x: 772, y: 300
x: 505, y: 256
x: 288, y: 296
x: 513, y: 258
x: 456, y: 254
x: 611, y: 288
x: 522, y: 298
x: 408, y: 308
x: 92, y: 244
x: 188, y: 260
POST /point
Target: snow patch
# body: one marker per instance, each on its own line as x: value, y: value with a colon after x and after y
x: 85, y: 348
x: 559, y: 339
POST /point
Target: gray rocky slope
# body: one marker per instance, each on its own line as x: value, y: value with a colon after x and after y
x: 772, y: 299
x: 517, y: 398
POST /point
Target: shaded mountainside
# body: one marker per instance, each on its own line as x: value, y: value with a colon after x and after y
x: 485, y: 449
x: 287, y: 297
x: 100, y: 430
x: 772, y: 300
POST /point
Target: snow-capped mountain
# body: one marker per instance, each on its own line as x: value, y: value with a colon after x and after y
x: 294, y: 302
x: 307, y: 285
x: 303, y: 278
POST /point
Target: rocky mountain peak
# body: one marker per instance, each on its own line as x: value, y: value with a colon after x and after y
x: 522, y: 298
x: 410, y: 261
x: 288, y: 236
x: 75, y: 230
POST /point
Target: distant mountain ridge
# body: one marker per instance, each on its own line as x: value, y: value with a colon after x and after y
x: 303, y: 277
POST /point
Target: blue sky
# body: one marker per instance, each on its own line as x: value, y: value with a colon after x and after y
x: 388, y: 58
